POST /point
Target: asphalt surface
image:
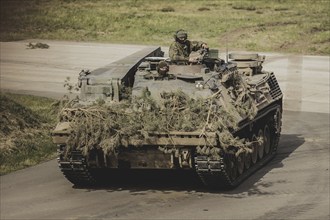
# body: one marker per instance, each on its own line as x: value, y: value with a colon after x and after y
x: 294, y: 185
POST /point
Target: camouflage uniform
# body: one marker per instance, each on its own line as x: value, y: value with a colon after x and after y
x: 181, y: 48
x: 180, y: 52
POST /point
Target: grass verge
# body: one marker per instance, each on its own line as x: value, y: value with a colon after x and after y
x: 25, y: 125
x: 299, y: 26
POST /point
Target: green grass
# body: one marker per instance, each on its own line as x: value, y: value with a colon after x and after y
x: 299, y: 26
x: 30, y: 149
x: 26, y: 122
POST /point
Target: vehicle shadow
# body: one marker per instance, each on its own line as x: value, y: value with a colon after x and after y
x: 144, y: 181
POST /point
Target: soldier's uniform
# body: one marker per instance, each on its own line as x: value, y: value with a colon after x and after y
x: 180, y: 50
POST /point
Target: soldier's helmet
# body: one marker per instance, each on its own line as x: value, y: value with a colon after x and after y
x: 181, y: 35
x: 162, y: 68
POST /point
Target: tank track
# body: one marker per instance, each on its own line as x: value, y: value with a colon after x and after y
x: 74, y: 167
x: 215, y: 172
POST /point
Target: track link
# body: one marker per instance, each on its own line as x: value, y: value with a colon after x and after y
x: 75, y: 168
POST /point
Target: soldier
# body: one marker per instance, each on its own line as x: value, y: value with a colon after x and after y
x: 181, y: 48
x: 162, y: 68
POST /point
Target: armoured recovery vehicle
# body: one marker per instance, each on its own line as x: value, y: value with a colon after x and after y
x: 233, y: 131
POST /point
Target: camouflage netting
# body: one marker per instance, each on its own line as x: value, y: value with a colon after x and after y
x: 108, y: 127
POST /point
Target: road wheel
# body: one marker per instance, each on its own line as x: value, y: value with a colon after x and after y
x: 254, y: 148
x: 240, y: 163
x: 261, y: 146
x: 247, y: 159
x: 278, y: 121
x: 266, y: 139
x: 231, y: 166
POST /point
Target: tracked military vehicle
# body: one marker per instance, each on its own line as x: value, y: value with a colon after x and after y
x: 233, y: 132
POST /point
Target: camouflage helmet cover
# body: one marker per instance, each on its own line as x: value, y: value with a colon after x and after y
x: 181, y: 34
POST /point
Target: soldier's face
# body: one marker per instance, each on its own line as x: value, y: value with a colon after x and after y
x: 182, y: 40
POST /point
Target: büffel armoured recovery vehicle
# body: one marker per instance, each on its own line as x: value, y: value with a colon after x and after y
x: 220, y: 118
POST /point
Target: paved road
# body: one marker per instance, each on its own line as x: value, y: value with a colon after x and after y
x: 295, y: 185
x: 40, y: 71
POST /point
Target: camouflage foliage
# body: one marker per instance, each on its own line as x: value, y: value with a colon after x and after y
x: 108, y: 127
